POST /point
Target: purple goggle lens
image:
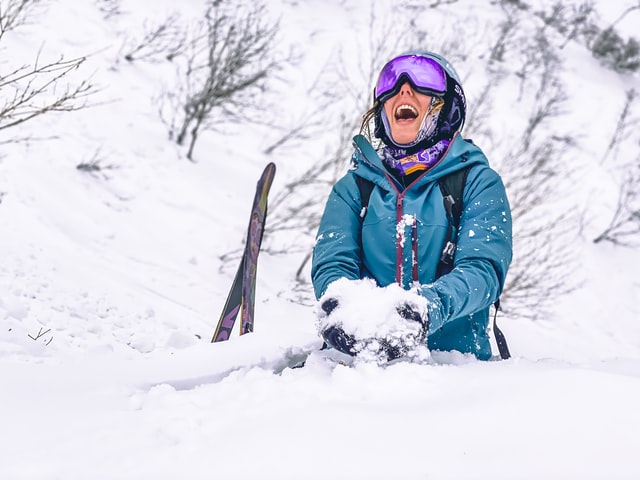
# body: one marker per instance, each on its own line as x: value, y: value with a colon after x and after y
x: 425, y: 74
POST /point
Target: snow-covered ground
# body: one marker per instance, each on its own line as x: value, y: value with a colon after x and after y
x: 111, y: 284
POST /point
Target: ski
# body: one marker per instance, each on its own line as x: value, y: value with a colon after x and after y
x: 243, y: 289
x: 231, y: 307
x: 252, y: 249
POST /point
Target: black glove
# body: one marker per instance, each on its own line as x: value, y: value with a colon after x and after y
x: 334, y: 336
x: 398, y: 348
x: 407, y: 312
x: 329, y: 305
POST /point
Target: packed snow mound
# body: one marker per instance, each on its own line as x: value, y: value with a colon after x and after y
x: 371, y: 315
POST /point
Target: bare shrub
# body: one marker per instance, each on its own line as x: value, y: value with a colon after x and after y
x: 622, y: 55
x: 579, y: 22
x: 110, y: 8
x: 96, y: 165
x: 31, y: 90
x: 228, y: 63
x: 624, y: 227
x: 544, y: 265
x: 572, y: 21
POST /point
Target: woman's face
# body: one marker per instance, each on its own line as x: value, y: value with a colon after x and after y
x: 405, y: 112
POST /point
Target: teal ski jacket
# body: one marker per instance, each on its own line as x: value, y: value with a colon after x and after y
x: 401, y: 237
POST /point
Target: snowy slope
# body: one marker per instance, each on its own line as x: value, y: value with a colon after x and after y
x: 111, y: 284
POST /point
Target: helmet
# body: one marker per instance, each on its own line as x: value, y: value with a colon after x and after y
x: 428, y: 73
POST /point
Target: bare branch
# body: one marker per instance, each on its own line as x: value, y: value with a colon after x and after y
x: 33, y: 88
x: 41, y: 333
x: 13, y: 13
x: 624, y: 227
x: 165, y: 41
x: 623, y: 124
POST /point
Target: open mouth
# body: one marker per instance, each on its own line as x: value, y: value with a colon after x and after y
x: 406, y: 112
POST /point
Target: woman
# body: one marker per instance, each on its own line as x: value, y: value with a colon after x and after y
x: 419, y: 109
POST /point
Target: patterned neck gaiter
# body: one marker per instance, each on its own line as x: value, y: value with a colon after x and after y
x: 397, y: 158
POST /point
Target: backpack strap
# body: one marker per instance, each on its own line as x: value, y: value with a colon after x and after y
x: 365, y: 187
x: 501, y: 341
x: 452, y: 188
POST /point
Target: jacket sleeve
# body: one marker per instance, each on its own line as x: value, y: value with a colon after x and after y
x: 483, y: 254
x: 338, y: 248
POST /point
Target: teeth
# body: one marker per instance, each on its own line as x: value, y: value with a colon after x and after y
x: 406, y: 107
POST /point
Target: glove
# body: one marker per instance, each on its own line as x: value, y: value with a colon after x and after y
x: 399, y: 347
x: 338, y: 339
x: 329, y: 305
x: 407, y: 311
x: 334, y: 335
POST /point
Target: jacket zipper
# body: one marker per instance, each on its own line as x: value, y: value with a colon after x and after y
x: 399, y: 246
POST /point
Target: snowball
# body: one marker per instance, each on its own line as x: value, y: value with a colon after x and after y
x: 370, y: 313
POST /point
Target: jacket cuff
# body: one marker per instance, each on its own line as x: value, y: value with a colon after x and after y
x: 434, y: 308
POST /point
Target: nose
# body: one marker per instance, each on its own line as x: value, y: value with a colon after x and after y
x: 405, y: 89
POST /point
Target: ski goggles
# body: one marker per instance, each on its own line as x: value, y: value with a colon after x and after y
x: 423, y: 73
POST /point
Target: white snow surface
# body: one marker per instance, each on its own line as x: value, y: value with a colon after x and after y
x: 111, y: 285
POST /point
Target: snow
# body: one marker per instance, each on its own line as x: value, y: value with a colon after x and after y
x: 367, y: 313
x: 111, y: 284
